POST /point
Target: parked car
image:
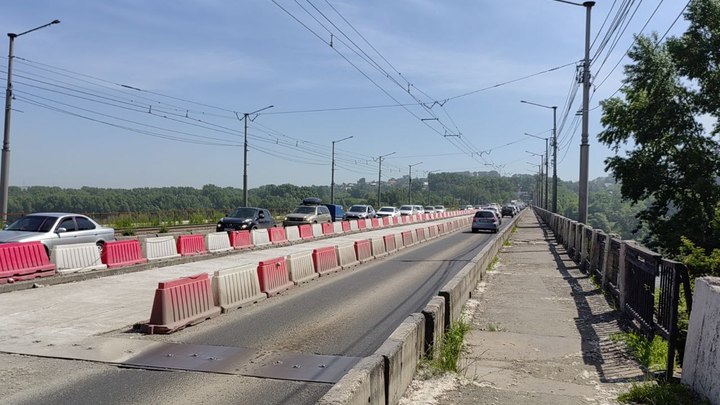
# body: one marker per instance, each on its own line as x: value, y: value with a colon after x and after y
x: 337, y: 212
x: 440, y: 208
x: 485, y: 220
x: 508, y: 211
x: 419, y: 209
x: 388, y: 212
x: 57, y: 228
x: 246, y: 218
x: 310, y: 212
x: 407, y: 210
x: 360, y: 212
x: 429, y: 209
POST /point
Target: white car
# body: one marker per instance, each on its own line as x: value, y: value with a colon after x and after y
x: 439, y: 208
x: 407, y: 210
x: 388, y: 212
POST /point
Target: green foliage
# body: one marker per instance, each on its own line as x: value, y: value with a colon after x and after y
x: 493, y: 262
x: 652, y: 354
x: 661, y: 393
x: 698, y: 262
x: 445, y: 357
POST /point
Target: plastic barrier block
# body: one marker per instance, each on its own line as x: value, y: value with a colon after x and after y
x: 354, y: 225
x: 346, y: 255
x: 386, y: 221
x: 345, y: 226
x: 390, y: 246
x: 240, y: 239
x: 159, y: 248
x: 375, y: 223
x: 317, y: 230
x: 407, y: 237
x: 378, y: 247
x: 277, y: 236
x: 432, y: 231
x: 328, y: 228
x: 420, y: 232
x: 301, y: 268
x: 441, y: 229
x: 361, y: 224
x: 236, y: 287
x: 218, y: 242
x: 325, y: 260
x: 399, y: 242
x: 292, y: 233
x: 260, y: 237
x: 338, y: 227
x: 273, y: 276
x: 191, y: 245
x: 405, y: 219
x: 363, y: 250
x: 122, y: 253
x: 369, y: 224
x: 180, y: 303
x: 396, y: 220
x: 305, y: 231
x: 76, y: 257
x: 24, y: 277
x: 20, y: 258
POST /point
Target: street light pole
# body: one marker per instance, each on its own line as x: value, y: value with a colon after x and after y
x: 542, y: 157
x: 332, y: 175
x: 5, y: 168
x: 380, y: 159
x: 245, y: 152
x: 410, y: 181
x: 554, y: 146
x: 547, y: 169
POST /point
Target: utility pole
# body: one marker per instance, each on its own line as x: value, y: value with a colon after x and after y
x: 5, y: 168
x: 542, y: 157
x: 332, y: 175
x: 245, y: 152
x: 380, y: 159
x: 410, y: 181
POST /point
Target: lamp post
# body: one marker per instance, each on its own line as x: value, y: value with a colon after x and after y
x: 538, y: 184
x: 5, y: 168
x: 584, y: 146
x: 245, y: 152
x: 380, y: 159
x: 547, y: 170
x: 410, y: 181
x: 540, y: 202
x: 332, y: 175
x: 554, y: 154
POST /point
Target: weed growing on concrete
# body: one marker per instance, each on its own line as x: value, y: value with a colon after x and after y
x: 661, y: 393
x: 507, y: 243
x: 491, y: 327
x: 652, y: 354
x: 514, y: 229
x: 595, y: 279
x: 446, y: 355
x: 492, y: 264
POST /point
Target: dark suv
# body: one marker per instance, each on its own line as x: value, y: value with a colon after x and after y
x: 246, y: 218
x: 507, y: 211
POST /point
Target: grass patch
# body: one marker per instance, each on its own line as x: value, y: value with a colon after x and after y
x: 668, y: 393
x: 492, y: 264
x: 514, y: 229
x: 446, y: 355
x: 595, y: 279
x: 652, y: 354
x: 507, y: 243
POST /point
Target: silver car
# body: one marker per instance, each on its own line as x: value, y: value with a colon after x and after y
x: 57, y: 228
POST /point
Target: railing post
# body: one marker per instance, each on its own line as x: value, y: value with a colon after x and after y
x: 622, y: 282
x: 584, y: 244
x: 606, y: 257
x: 593, y: 251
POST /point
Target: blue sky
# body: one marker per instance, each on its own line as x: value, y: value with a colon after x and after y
x: 198, y: 63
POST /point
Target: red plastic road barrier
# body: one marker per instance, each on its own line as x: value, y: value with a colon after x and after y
x: 182, y: 302
x: 432, y: 231
x: 346, y: 226
x: 20, y: 260
x: 122, y: 253
x: 327, y: 228
x: 273, y: 276
x: 361, y: 224
x: 390, y: 243
x: 395, y: 220
x: 386, y: 221
x: 407, y: 238
x: 240, y: 239
x: 306, y: 231
x: 363, y: 251
x: 325, y: 260
x: 420, y: 234
x: 375, y: 222
x: 441, y: 229
x: 277, y: 235
x: 191, y: 245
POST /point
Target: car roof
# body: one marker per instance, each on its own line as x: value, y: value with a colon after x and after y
x: 54, y: 214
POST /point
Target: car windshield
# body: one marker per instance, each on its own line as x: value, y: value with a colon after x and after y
x: 243, y: 213
x: 304, y: 209
x: 33, y: 223
x: 429, y: 208
x: 387, y: 209
x: 357, y: 208
x: 406, y: 208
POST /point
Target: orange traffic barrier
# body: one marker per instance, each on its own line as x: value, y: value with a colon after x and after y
x: 180, y: 303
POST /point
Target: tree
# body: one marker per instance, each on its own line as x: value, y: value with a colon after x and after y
x: 673, y: 162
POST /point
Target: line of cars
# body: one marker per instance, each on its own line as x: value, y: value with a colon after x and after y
x: 489, y: 217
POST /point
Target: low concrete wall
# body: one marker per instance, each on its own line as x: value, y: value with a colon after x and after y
x: 363, y: 384
x: 434, y: 314
x: 701, y: 365
x: 401, y: 352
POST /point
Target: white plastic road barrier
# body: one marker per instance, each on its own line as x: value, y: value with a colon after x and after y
x: 368, y: 223
x: 260, y: 237
x: 317, y: 231
x: 218, y: 242
x: 354, y: 226
x: 235, y: 287
x: 378, y: 247
x: 337, y: 227
x: 301, y: 268
x: 399, y: 245
x: 162, y: 247
x: 346, y: 255
x: 76, y: 257
x: 292, y: 233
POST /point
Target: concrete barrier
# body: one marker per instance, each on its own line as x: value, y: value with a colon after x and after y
x: 456, y: 292
x: 260, y: 237
x: 364, y: 384
x: 434, y: 313
x: 218, y: 242
x: 378, y: 247
x: 301, y: 268
x: 76, y: 257
x: 293, y: 233
x: 701, y: 365
x: 346, y: 255
x: 160, y: 248
x: 236, y: 287
x: 401, y: 352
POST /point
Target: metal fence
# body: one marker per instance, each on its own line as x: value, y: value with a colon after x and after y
x: 646, y: 286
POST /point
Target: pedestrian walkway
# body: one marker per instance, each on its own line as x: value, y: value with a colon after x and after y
x: 541, y: 331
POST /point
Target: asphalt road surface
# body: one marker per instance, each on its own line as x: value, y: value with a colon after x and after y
x: 345, y: 314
